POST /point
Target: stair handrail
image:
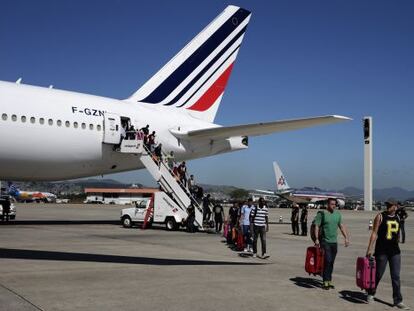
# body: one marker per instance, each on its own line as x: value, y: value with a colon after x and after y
x: 187, y: 192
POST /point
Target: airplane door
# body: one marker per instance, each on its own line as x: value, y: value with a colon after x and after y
x: 112, y: 129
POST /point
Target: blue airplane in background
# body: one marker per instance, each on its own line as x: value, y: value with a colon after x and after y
x: 306, y: 195
x: 30, y: 196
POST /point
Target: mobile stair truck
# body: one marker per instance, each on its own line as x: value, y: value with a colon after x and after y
x: 159, y: 209
x: 169, y: 206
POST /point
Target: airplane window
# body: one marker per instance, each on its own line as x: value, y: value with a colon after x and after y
x: 91, y: 126
x: 23, y: 118
x: 42, y: 121
x: 59, y: 123
x: 32, y: 120
x: 4, y: 116
x: 67, y: 123
x: 75, y: 125
x: 14, y: 117
x: 83, y: 125
x: 50, y: 122
x: 98, y: 127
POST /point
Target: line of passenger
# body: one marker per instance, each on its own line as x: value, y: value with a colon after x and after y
x: 247, y: 223
x: 178, y: 170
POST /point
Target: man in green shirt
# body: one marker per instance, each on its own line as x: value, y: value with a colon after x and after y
x: 326, y: 224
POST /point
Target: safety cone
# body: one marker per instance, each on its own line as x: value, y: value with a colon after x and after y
x: 370, y: 225
x: 280, y: 219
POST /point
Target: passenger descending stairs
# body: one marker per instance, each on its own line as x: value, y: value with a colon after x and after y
x: 165, y: 178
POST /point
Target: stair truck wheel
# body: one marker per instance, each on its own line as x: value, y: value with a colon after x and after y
x: 170, y: 224
x: 126, y: 222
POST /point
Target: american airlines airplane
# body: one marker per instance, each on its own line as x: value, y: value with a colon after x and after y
x: 50, y: 134
x: 306, y: 195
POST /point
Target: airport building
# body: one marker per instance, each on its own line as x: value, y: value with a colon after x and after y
x: 117, y: 196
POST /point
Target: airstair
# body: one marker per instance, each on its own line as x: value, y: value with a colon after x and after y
x: 163, y: 175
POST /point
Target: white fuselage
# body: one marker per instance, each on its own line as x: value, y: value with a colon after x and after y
x: 31, y: 150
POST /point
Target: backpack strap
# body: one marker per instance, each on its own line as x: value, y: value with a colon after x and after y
x: 321, y: 231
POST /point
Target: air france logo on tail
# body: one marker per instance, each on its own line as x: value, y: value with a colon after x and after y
x: 195, y: 79
x: 281, y: 181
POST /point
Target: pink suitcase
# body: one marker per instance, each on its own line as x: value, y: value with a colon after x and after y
x: 365, y: 272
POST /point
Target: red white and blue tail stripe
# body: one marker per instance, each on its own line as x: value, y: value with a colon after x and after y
x: 194, y: 80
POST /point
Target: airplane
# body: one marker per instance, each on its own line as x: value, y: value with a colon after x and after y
x: 75, y: 133
x: 30, y: 196
x: 307, y: 195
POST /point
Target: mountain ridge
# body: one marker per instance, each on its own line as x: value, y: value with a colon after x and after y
x: 77, y: 186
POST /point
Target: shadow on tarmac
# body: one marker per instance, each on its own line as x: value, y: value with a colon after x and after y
x: 359, y: 297
x: 65, y: 256
x: 307, y: 282
x: 353, y: 296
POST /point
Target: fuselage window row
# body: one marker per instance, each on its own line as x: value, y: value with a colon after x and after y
x: 23, y: 119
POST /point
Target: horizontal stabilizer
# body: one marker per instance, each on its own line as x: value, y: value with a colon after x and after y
x: 265, y: 191
x: 257, y: 129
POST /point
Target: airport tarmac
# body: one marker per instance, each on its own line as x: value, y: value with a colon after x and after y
x: 78, y: 257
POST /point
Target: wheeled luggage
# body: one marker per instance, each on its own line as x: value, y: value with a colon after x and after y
x: 240, y: 241
x: 226, y: 229
x: 365, y: 272
x: 314, y: 260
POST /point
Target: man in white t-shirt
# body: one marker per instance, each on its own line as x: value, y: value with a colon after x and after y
x: 245, y: 223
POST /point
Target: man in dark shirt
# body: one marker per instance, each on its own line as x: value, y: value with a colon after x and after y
x: 158, y: 153
x: 295, y: 219
x: 402, y: 213
x: 190, y: 219
x: 304, y: 220
x: 233, y: 215
x: 130, y: 132
x: 206, y: 208
x: 145, y: 130
x: 182, y: 171
x: 151, y: 141
x: 385, y: 237
x: 199, y: 193
x: 218, y: 216
x: 233, y: 221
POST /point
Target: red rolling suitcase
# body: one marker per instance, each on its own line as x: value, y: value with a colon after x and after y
x: 240, y: 241
x: 226, y: 229
x: 314, y: 260
x: 365, y: 272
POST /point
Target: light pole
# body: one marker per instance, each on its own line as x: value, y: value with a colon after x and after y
x: 367, y: 163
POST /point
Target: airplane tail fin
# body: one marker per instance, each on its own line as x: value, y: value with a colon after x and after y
x: 194, y: 80
x: 281, y: 182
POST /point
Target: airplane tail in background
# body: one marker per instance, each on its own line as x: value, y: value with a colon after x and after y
x: 194, y: 80
x: 281, y: 182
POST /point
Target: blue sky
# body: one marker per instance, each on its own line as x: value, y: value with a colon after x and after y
x: 298, y: 59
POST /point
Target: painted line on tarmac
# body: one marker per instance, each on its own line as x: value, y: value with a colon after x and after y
x: 21, y: 297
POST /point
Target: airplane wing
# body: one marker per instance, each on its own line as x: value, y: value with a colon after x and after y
x: 257, y: 129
